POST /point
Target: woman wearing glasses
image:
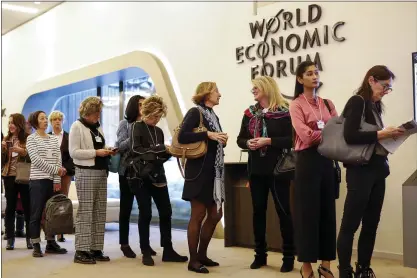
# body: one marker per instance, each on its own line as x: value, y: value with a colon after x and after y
x: 266, y: 131
x: 365, y: 183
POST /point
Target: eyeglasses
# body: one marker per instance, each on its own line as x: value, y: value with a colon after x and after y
x: 386, y: 87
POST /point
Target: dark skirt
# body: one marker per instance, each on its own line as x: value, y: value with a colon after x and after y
x: 200, y: 186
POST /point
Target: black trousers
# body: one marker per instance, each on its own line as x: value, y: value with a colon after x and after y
x: 11, y: 191
x: 144, y: 195
x: 260, y: 186
x: 314, y: 207
x: 126, y: 203
x: 40, y: 192
x: 364, y: 200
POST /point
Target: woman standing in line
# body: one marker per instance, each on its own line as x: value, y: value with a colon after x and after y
x: 87, y: 147
x: 14, y: 144
x: 204, y: 177
x: 45, y: 178
x: 266, y: 131
x: 148, y: 148
x: 132, y: 114
x: 56, y: 118
x: 314, y: 183
x: 365, y: 183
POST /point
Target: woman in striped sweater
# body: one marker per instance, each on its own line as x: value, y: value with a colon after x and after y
x: 45, y: 178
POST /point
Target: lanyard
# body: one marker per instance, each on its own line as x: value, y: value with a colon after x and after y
x: 321, y: 115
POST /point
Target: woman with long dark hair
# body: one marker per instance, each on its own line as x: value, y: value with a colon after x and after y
x: 15, y: 145
x: 314, y: 183
x: 365, y: 183
x: 132, y: 114
x: 266, y: 131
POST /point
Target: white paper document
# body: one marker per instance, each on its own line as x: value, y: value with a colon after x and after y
x: 391, y: 144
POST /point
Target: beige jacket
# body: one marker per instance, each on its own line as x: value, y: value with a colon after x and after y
x: 81, y: 146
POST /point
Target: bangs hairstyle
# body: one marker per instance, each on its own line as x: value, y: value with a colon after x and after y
x: 90, y: 106
x: 20, y: 123
x: 270, y: 87
x: 132, y: 108
x: 33, y: 118
x: 204, y: 89
x: 56, y: 115
x: 153, y: 106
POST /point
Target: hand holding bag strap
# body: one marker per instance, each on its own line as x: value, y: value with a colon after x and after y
x: 181, y: 165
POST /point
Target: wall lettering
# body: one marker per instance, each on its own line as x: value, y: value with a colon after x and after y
x: 271, y: 44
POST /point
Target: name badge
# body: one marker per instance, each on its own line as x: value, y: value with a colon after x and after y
x: 98, y: 139
x: 320, y: 124
x: 14, y: 154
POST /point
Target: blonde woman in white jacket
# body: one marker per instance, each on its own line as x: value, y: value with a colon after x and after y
x: 88, y: 150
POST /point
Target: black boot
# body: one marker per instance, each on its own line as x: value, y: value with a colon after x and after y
x: 150, y: 251
x: 127, y: 251
x: 346, y: 272
x: 99, y: 256
x: 29, y: 243
x: 53, y: 248
x: 170, y: 255
x: 61, y: 238
x: 10, y: 244
x: 260, y: 261
x: 287, y: 266
x: 147, y: 258
x: 37, y: 251
x: 83, y: 257
x: 20, y: 225
x: 364, y: 272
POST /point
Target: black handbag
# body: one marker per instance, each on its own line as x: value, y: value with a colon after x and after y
x: 286, y: 164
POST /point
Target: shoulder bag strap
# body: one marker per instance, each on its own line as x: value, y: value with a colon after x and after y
x: 326, y: 102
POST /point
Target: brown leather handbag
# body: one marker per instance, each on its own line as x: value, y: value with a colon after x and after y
x: 188, y: 151
x: 23, y: 171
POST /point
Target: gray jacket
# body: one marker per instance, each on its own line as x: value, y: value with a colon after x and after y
x: 123, y: 143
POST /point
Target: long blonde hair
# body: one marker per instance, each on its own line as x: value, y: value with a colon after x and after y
x: 270, y: 87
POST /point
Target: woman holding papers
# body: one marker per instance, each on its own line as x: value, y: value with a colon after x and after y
x: 365, y: 183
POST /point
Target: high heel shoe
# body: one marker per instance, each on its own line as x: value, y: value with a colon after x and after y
x: 322, y: 269
x: 309, y: 276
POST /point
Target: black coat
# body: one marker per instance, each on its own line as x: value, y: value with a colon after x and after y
x: 353, y: 135
x: 280, y: 132
x: 201, y: 170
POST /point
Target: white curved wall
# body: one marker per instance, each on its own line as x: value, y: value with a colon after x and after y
x: 197, y: 41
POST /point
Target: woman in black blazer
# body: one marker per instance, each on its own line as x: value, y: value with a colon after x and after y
x: 266, y: 131
x: 56, y: 119
x: 365, y: 183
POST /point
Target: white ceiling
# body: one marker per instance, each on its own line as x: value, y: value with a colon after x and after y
x: 13, y: 19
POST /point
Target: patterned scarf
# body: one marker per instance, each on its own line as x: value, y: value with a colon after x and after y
x: 257, y: 115
x: 218, y: 192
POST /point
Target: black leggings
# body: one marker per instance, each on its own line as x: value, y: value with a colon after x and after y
x: 12, y: 189
x: 364, y: 200
x: 315, y: 211
x: 126, y: 204
x: 260, y: 185
x: 144, y: 194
